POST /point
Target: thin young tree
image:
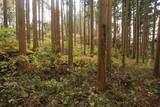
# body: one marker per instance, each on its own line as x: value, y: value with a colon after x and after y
x: 21, y: 29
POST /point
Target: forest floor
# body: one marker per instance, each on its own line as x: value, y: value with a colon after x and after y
x: 41, y: 79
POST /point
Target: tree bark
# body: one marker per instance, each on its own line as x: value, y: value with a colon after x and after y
x: 42, y: 16
x: 28, y: 20
x: 137, y: 31
x: 124, y: 30
x: 157, y: 60
x: 104, y: 59
x: 92, y: 26
x: 5, y: 13
x: 145, y: 31
x: 84, y: 29
x: 70, y: 46
x: 154, y: 27
x: 21, y: 29
x: 62, y: 27
x: 35, y: 36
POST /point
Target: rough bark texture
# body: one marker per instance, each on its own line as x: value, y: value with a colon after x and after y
x: 21, y: 30
x: 109, y: 37
x: 101, y: 75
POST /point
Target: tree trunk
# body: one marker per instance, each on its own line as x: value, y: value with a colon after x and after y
x: 21, y: 29
x: 92, y: 26
x: 39, y: 21
x: 70, y: 46
x: 62, y: 28
x: 5, y: 13
x: 124, y: 30
x: 104, y: 34
x: 109, y: 36
x: 145, y: 31
x: 53, y: 41
x: 42, y: 16
x: 84, y: 29
x: 157, y: 60
x: 154, y: 27
x: 17, y: 20
x: 137, y: 31
x: 75, y: 39
x: 58, y: 46
x: 35, y: 36
x: 28, y: 20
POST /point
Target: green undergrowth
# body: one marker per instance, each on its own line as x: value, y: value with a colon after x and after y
x: 42, y: 79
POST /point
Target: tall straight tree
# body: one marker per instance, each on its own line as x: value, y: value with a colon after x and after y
x: 62, y: 26
x: 137, y: 30
x: 70, y: 46
x: 157, y: 60
x: 75, y: 39
x: 124, y: 29
x: 39, y: 20
x: 104, y: 34
x: 154, y: 27
x: 16, y: 20
x: 53, y: 42
x: 28, y: 20
x: 109, y: 36
x: 42, y: 18
x: 92, y: 26
x: 58, y: 46
x: 84, y: 28
x: 145, y: 31
x: 35, y: 36
x: 21, y: 29
x: 5, y: 13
